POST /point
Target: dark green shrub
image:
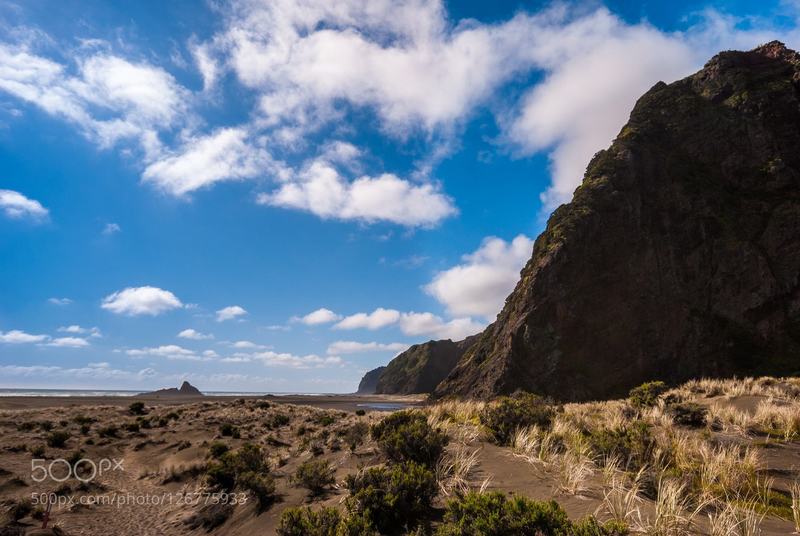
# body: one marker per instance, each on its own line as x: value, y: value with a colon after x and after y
x: 407, y: 436
x: 20, y: 509
x: 315, y: 476
x: 324, y: 522
x: 263, y: 404
x: 360, y: 412
x: 633, y: 443
x: 26, y: 426
x: 82, y: 420
x: 132, y: 427
x: 108, y: 431
x: 46, y: 426
x: 354, y: 435
x: 217, y: 449
x: 136, y: 408
x: 325, y: 420
x: 224, y: 472
x: 57, y: 439
x: 261, y: 485
x: 277, y: 420
x: 38, y: 451
x: 508, y: 413
x: 229, y: 430
x: 689, y: 414
x: 494, y: 514
x: 391, y: 497
x: 646, y: 395
x: 85, y: 429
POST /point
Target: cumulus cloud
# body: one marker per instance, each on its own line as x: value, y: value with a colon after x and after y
x: 91, y: 372
x: 434, y: 326
x: 377, y: 319
x: 109, y: 98
x: 201, y: 161
x: 111, y: 228
x: 194, y: 335
x: 17, y: 206
x: 78, y: 330
x: 353, y: 347
x: 168, y: 351
x: 283, y: 359
x: 16, y: 336
x: 480, y: 285
x: 321, y: 190
x: 69, y: 342
x: 230, y: 312
x: 320, y: 316
x: 135, y: 301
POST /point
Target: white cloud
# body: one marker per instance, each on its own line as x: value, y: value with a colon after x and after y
x: 168, y: 351
x: 78, y: 330
x: 201, y: 161
x: 434, y: 326
x: 59, y: 301
x: 91, y: 372
x: 206, y: 64
x: 109, y: 98
x: 320, y: 316
x: 480, y: 285
x: 69, y: 342
x: 15, y: 205
x: 16, y: 336
x: 377, y: 319
x: 321, y: 190
x: 245, y: 345
x: 194, y: 335
x: 111, y: 228
x: 353, y: 347
x: 134, y: 301
x: 274, y: 359
x: 230, y: 312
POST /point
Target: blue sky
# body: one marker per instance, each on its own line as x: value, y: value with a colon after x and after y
x: 279, y: 196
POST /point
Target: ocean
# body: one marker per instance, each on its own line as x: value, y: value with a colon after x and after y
x: 105, y: 392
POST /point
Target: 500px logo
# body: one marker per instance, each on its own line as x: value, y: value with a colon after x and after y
x: 84, y: 469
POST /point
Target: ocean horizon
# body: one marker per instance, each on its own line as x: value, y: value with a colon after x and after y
x: 7, y: 392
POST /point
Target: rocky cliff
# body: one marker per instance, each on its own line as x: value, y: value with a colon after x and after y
x: 369, y: 382
x: 679, y: 254
x: 420, y: 368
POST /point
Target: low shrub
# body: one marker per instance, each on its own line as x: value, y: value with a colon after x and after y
x: 224, y: 473
x: 646, y: 395
x: 324, y: 522
x: 85, y: 429
x: 261, y: 485
x: 263, y: 404
x: 20, y: 509
x: 494, y: 514
x: 503, y: 417
x: 136, y: 408
x: 360, y: 412
x: 217, y: 449
x: 407, y: 436
x: 325, y: 420
x: 132, y: 427
x: 632, y: 443
x: 57, y: 439
x: 46, y: 426
x: 391, y: 497
x: 354, y: 435
x: 38, y: 451
x: 210, y: 516
x: 82, y: 420
x: 229, y: 430
x: 689, y: 414
x: 315, y: 476
x: 108, y: 431
x: 277, y: 420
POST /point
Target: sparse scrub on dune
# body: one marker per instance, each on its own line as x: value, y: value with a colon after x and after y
x: 494, y: 514
x: 647, y: 394
x: 323, y: 522
x: 109, y: 431
x: 407, y: 436
x: 393, y: 496
x: 536, y: 445
x: 454, y: 469
x: 354, y: 435
x: 217, y: 449
x: 688, y: 414
x: 315, y: 475
x: 573, y: 471
x: 457, y: 411
x: 210, y: 516
x: 136, y: 408
x: 229, y: 430
x: 673, y: 513
x: 633, y: 443
x: 504, y: 416
x: 246, y: 469
x: 795, y: 493
x: 57, y: 439
x: 778, y: 418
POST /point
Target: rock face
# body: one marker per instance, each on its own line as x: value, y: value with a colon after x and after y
x: 679, y: 254
x: 186, y: 389
x: 369, y: 382
x: 420, y: 368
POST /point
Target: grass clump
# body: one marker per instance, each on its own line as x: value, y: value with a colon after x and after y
x: 136, y: 408
x: 315, y: 475
x: 229, y: 430
x: 217, y: 449
x: 689, y: 414
x: 406, y: 436
x: 108, y: 431
x: 325, y: 522
x: 57, y: 439
x: 245, y: 469
x: 646, y: 395
x: 277, y: 420
x: 392, y: 496
x: 509, y: 413
x: 361, y: 412
x: 632, y: 443
x: 494, y: 514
